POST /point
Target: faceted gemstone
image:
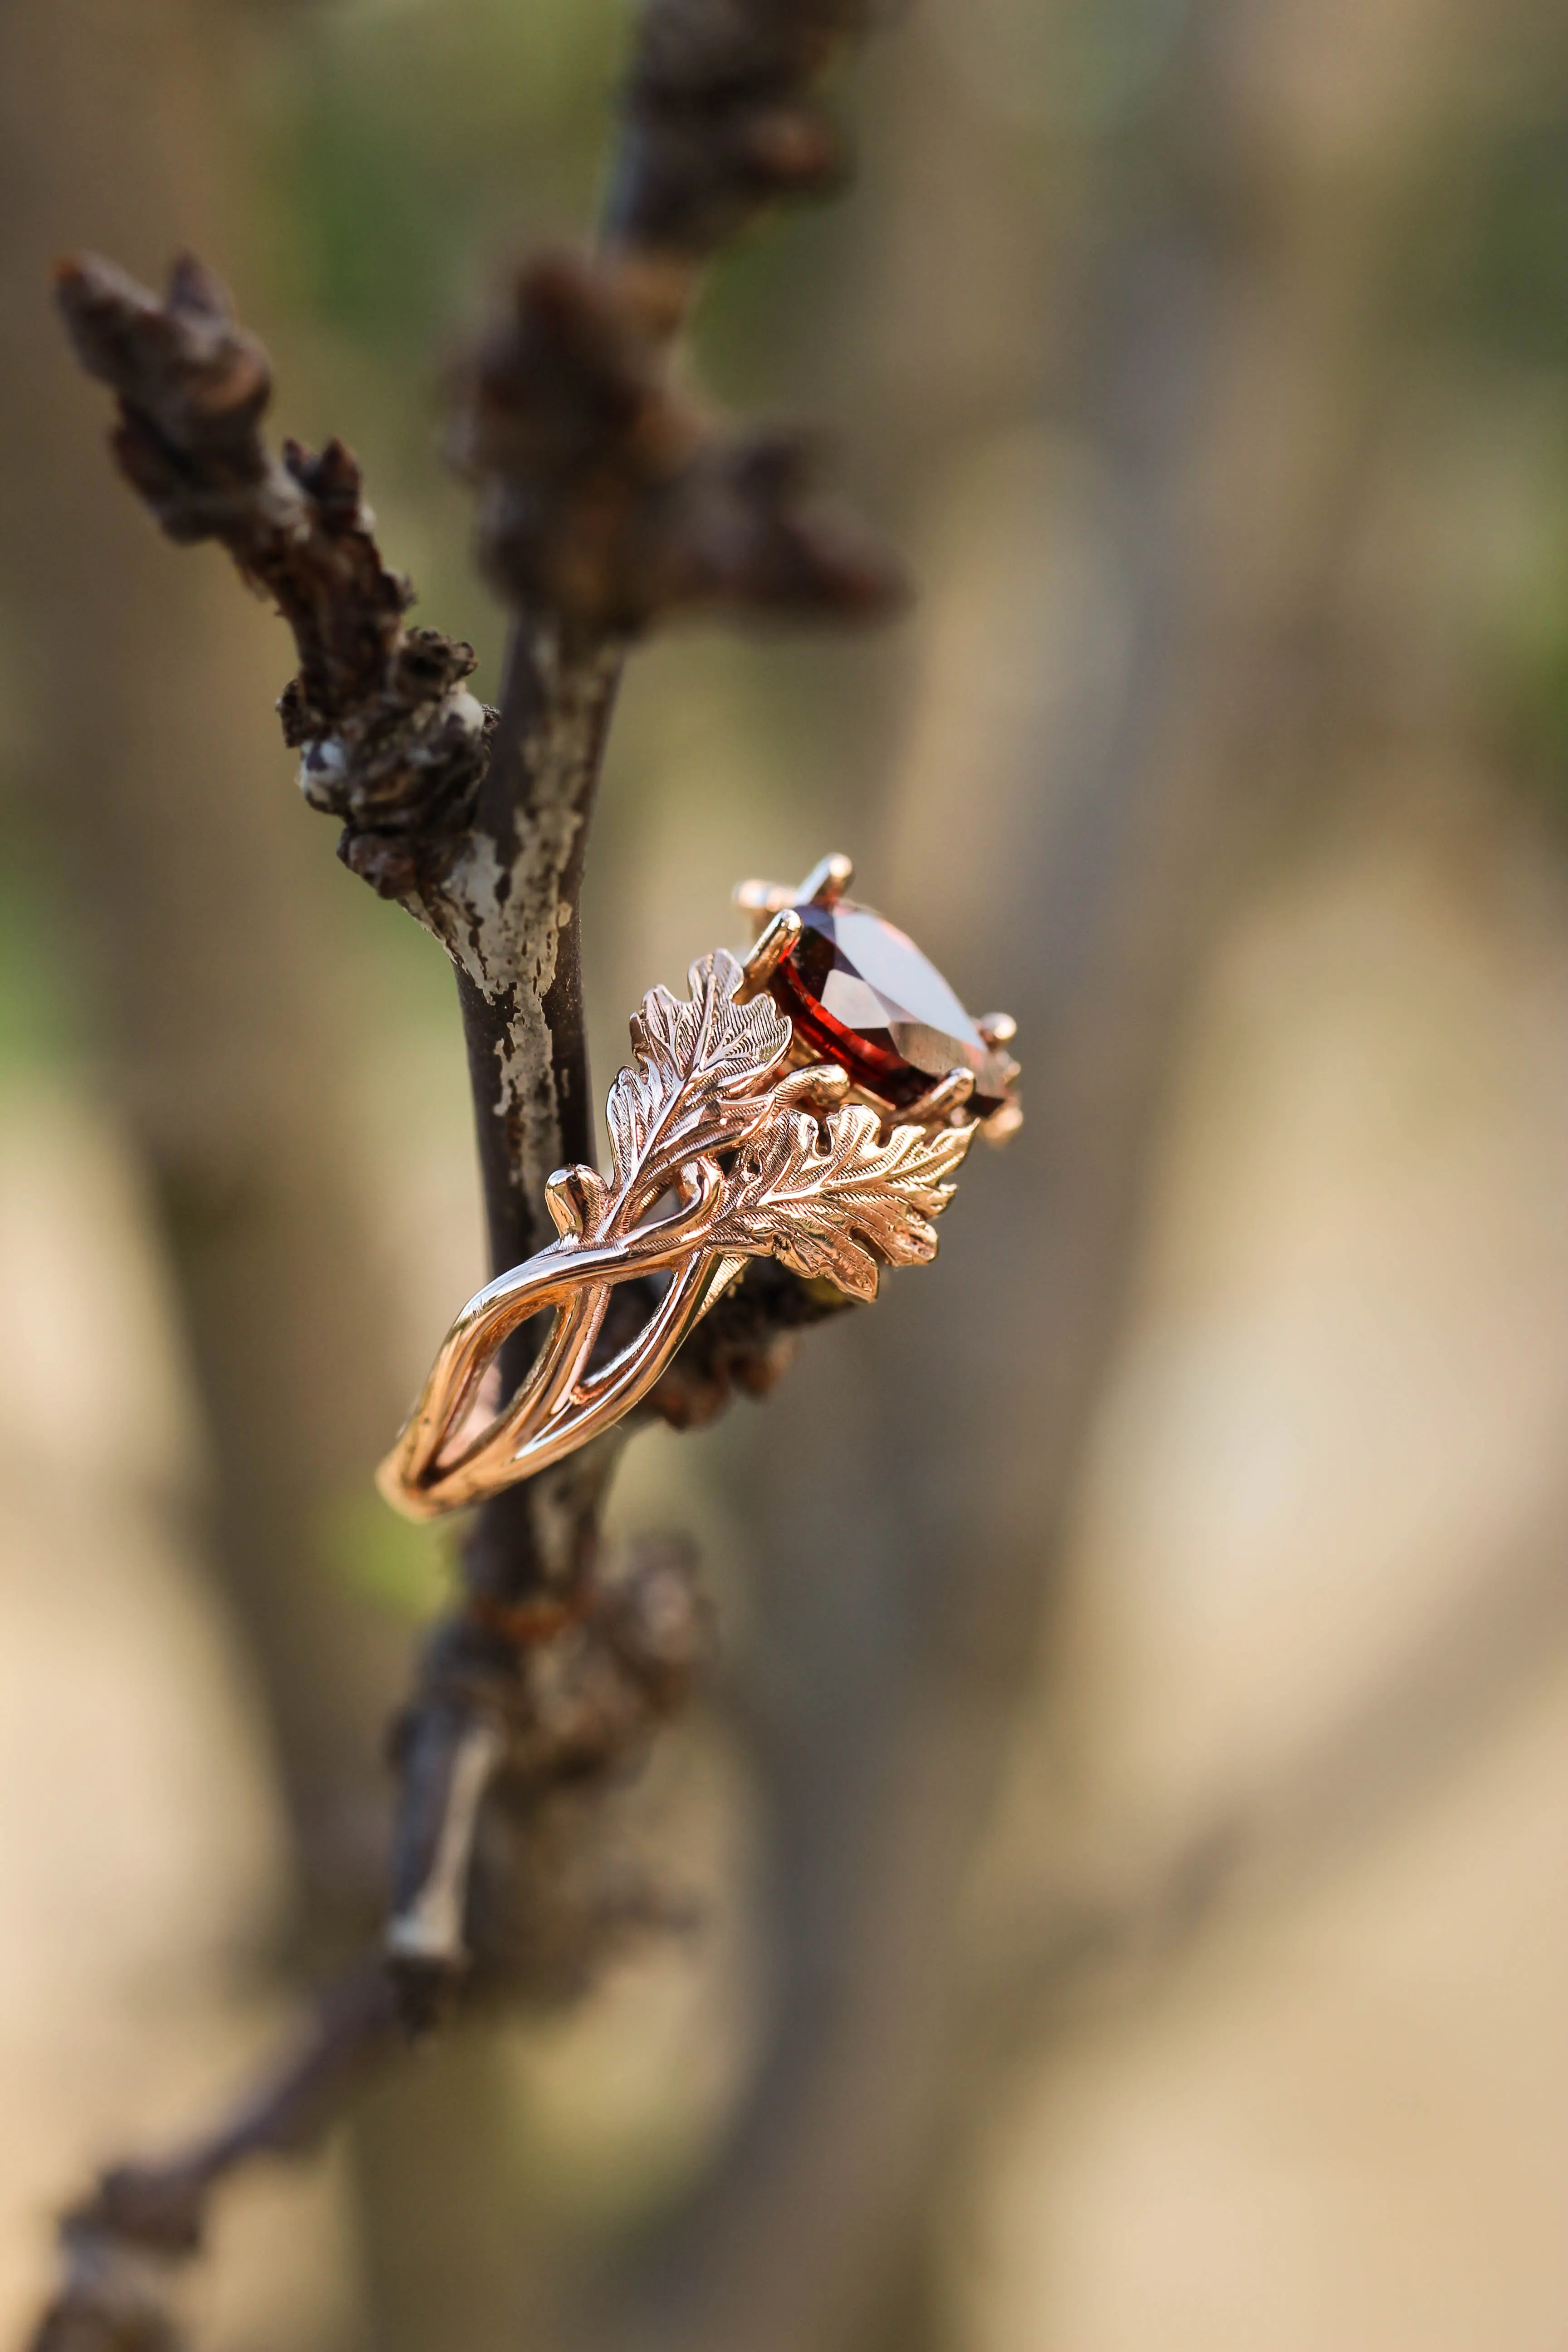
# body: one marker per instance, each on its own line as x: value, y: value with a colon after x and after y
x: 860, y: 993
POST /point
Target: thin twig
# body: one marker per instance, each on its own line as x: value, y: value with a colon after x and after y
x: 606, y: 498
x: 389, y: 736
x: 546, y: 1904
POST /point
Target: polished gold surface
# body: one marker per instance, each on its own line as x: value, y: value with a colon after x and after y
x: 825, y: 884
x: 828, y: 881
x: 775, y: 941
x: 726, y: 1143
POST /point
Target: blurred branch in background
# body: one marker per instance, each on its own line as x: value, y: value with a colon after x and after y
x: 1224, y: 359
x: 185, y: 907
x: 1465, y: 1676
x: 189, y: 908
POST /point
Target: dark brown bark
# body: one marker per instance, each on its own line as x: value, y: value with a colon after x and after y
x: 604, y: 500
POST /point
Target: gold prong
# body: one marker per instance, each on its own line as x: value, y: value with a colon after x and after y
x: 1002, y: 1124
x: 949, y: 1094
x: 826, y: 883
x: 770, y: 951
x: 761, y: 899
x: 997, y: 1028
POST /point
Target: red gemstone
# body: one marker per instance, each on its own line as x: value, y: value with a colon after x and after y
x: 860, y: 993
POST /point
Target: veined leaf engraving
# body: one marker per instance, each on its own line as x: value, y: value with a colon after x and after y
x: 694, y: 1086
x: 697, y: 1089
x: 835, y: 1210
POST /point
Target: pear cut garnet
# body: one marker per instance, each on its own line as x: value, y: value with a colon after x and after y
x: 860, y: 993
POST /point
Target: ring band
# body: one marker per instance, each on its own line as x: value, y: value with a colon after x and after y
x: 811, y: 1103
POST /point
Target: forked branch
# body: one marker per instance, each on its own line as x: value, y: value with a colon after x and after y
x: 607, y: 498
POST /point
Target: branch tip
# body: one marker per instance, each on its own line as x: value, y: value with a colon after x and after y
x: 722, y: 116
x: 606, y: 494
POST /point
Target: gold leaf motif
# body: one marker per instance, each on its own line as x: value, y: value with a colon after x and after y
x: 694, y: 1085
x: 835, y: 1210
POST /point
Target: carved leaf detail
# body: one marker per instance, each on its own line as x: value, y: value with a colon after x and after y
x: 835, y: 1210
x: 693, y: 1086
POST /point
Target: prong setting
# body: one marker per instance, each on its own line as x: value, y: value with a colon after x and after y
x: 773, y: 966
x: 948, y: 1095
x: 762, y: 900
x: 1003, y: 1125
x: 777, y: 941
x: 828, y: 881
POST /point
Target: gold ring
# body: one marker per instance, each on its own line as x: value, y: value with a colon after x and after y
x: 810, y: 1103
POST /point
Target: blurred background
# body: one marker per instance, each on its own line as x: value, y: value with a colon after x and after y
x: 1126, y: 1828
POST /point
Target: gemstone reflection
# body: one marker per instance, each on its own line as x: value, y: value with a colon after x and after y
x: 859, y: 992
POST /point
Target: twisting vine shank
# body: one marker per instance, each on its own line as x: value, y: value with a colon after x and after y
x: 706, y: 1087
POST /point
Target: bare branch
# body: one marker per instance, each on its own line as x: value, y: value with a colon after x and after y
x: 565, y: 1694
x: 604, y: 502
x: 535, y: 1913
x: 390, y: 738
x: 608, y: 498
x: 722, y: 118
x: 124, y: 2244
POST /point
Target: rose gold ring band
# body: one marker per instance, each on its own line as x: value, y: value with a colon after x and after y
x: 811, y: 1103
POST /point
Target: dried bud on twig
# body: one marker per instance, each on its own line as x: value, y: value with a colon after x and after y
x: 721, y: 116
x: 390, y: 742
x: 606, y: 494
x: 193, y: 388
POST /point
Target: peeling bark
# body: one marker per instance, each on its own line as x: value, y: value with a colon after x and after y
x: 607, y: 498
